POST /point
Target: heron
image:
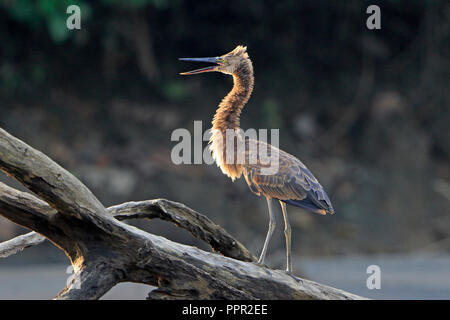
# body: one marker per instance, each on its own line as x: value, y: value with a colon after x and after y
x: 291, y: 184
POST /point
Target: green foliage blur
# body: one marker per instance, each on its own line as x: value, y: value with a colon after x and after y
x: 50, y: 13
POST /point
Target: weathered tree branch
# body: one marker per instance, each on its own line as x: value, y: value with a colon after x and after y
x: 105, y: 251
x: 197, y: 224
x: 19, y: 243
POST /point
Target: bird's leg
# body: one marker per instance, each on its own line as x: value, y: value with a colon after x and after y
x: 269, y: 232
x: 287, y: 234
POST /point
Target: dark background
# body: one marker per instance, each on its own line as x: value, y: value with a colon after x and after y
x: 366, y: 110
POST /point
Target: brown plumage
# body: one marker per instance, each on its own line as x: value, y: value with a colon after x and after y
x: 292, y: 183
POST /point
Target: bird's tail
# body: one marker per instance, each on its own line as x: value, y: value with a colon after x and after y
x: 309, y: 205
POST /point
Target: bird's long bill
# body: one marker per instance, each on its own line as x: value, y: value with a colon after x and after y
x: 206, y: 69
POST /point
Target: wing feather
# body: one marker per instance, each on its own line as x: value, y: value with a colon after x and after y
x: 292, y: 182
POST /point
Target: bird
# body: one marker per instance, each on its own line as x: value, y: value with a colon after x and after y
x: 292, y: 183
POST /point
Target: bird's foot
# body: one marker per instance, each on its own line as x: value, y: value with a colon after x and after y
x: 260, y: 264
x: 289, y: 273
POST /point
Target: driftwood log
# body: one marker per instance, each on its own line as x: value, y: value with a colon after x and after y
x: 104, y: 250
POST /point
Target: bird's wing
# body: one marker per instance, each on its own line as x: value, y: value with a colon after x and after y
x: 292, y: 181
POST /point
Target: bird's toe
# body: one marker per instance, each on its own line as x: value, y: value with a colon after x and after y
x: 289, y: 273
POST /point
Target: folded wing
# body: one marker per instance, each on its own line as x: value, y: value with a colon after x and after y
x: 293, y: 183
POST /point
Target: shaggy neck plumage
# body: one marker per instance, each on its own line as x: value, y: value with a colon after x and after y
x: 229, y: 111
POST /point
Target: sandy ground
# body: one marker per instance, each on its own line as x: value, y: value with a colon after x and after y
x: 402, y: 277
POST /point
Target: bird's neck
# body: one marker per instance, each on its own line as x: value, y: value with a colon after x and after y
x: 229, y: 111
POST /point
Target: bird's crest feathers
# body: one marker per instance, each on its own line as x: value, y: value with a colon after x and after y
x: 240, y: 51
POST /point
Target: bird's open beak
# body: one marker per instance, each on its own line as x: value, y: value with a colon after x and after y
x: 206, y: 69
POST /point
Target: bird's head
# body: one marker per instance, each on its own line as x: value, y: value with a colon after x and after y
x: 229, y: 63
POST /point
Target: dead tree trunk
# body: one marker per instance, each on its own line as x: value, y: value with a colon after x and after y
x: 105, y: 251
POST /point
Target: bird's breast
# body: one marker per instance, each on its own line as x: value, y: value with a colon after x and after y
x: 226, y: 154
